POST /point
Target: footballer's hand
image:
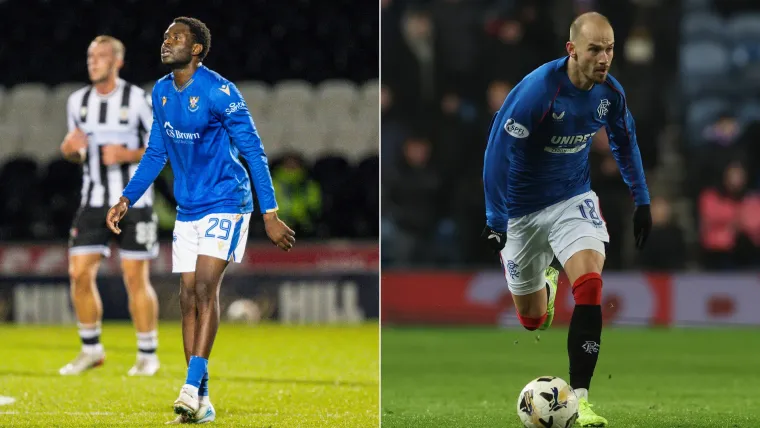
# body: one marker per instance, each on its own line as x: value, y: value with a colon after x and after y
x: 74, y: 145
x: 642, y: 224
x: 279, y: 233
x: 114, y: 154
x: 495, y: 240
x: 116, y: 213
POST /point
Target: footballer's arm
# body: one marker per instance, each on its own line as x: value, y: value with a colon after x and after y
x: 151, y: 164
x: 621, y: 131
x: 514, y: 123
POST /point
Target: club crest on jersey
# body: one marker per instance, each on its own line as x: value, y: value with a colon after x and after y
x: 515, y: 129
x: 163, y: 101
x: 193, y: 104
x: 124, y: 114
x: 603, y: 107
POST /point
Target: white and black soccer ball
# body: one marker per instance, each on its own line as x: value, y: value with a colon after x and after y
x: 244, y: 311
x: 547, y: 402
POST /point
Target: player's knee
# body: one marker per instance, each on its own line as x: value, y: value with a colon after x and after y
x: 587, y: 289
x: 81, y: 278
x: 531, y: 323
x: 203, y: 292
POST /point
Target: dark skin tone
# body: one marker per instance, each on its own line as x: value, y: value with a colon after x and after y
x: 199, y: 290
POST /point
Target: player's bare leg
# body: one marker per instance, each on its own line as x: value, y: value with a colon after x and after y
x: 143, y: 307
x: 208, y: 278
x: 205, y: 412
x: 88, y: 307
x: 536, y: 310
x: 193, y: 400
x: 584, y: 270
x: 189, y: 312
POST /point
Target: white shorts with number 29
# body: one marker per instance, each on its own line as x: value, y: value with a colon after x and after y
x: 217, y: 235
x: 561, y: 229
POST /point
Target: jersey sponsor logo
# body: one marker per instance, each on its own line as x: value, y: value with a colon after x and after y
x: 569, y: 143
x: 180, y: 136
x: 515, y: 129
x: 225, y: 89
x: 233, y: 107
x: 603, y: 107
x: 193, y: 107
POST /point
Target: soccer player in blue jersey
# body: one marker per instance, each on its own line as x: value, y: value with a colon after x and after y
x: 201, y: 124
x: 539, y: 202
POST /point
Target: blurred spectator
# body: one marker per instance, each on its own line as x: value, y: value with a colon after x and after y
x: 666, y: 249
x: 411, y: 71
x: 392, y: 129
x: 721, y: 144
x: 413, y: 202
x: 729, y: 224
x: 298, y: 196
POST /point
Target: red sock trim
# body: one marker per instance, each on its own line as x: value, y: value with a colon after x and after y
x: 531, y: 323
x: 587, y: 290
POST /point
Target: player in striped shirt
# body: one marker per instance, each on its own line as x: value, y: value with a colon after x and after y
x: 108, y: 125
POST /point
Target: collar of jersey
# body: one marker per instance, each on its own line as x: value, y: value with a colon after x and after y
x: 115, y: 89
x: 183, y: 86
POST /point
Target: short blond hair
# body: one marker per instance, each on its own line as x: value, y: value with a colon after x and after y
x: 116, y: 45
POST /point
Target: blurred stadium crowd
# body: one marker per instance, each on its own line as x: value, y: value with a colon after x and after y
x: 308, y: 72
x: 691, y: 71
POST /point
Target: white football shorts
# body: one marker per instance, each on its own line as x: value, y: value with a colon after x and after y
x: 561, y: 229
x: 217, y: 235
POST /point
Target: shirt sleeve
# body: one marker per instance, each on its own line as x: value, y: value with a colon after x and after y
x: 229, y: 107
x: 521, y: 113
x: 71, y: 112
x: 150, y: 165
x: 145, y: 116
x: 621, y: 130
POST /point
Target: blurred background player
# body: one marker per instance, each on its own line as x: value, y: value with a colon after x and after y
x: 201, y: 123
x: 108, y: 125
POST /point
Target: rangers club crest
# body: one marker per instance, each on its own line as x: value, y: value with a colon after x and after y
x: 603, y: 107
x: 193, y: 104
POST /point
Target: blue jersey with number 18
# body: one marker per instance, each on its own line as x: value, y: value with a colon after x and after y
x: 201, y: 129
x: 538, y: 146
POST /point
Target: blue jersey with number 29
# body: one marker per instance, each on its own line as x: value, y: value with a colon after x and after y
x: 201, y: 129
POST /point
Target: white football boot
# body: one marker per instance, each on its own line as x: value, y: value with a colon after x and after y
x: 205, y: 413
x: 83, y: 362
x: 187, y: 402
x: 145, y: 366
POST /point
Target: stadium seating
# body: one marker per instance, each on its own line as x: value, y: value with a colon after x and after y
x: 332, y: 124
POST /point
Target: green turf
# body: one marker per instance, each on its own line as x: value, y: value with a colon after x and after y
x: 261, y: 376
x: 645, y: 378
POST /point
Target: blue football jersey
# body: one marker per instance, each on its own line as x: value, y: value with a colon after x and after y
x: 201, y: 128
x: 538, y: 146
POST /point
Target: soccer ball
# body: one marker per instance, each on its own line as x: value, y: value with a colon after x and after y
x: 244, y: 310
x: 547, y: 402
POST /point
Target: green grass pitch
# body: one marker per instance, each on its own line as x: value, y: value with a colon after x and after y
x: 658, y: 378
x: 261, y: 376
